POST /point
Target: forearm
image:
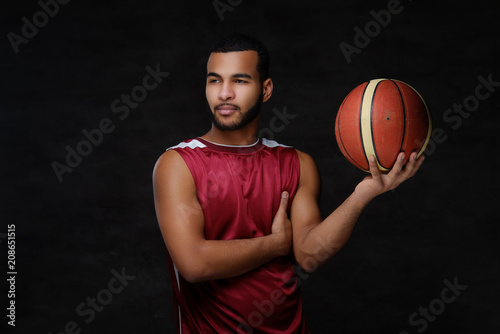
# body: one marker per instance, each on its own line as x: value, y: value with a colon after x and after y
x: 325, y: 239
x: 215, y: 259
x: 314, y: 240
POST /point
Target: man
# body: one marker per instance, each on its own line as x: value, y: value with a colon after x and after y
x: 236, y: 211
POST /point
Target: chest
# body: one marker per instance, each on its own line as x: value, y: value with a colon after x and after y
x: 239, y: 195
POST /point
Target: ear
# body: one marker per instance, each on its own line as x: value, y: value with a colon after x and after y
x: 267, y: 89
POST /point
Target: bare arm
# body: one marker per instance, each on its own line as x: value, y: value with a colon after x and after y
x: 314, y: 240
x: 181, y: 222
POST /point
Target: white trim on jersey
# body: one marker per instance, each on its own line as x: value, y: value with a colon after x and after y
x: 233, y: 145
x: 195, y: 143
x: 178, y: 288
x: 177, y: 278
x: 192, y: 144
x: 272, y: 143
x: 180, y: 320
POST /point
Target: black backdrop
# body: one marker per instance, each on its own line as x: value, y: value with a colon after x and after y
x: 75, y: 233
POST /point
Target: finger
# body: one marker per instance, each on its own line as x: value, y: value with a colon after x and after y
x: 420, y: 161
x: 396, y: 175
x: 374, y: 168
x: 417, y: 163
x: 410, y: 165
x: 395, y: 172
x: 398, y: 165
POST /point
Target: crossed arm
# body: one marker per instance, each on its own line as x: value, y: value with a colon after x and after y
x: 314, y: 241
x: 181, y: 222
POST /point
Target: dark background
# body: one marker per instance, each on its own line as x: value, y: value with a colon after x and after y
x: 440, y: 225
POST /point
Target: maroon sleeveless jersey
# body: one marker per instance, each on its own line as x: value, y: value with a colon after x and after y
x: 239, y: 189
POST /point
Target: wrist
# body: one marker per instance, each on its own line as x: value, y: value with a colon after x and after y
x: 277, y: 247
x: 361, y: 199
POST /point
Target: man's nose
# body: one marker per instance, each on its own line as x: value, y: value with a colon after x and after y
x: 226, y: 92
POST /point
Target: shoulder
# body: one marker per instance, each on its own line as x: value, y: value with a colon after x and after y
x: 173, y: 157
x: 171, y: 176
x: 168, y: 157
x: 308, y: 169
x: 306, y: 161
x: 285, y: 150
x: 171, y: 163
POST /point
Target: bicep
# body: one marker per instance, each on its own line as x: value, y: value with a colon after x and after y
x: 305, y: 213
x: 179, y: 213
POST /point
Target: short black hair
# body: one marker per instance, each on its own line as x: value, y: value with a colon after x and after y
x: 241, y: 42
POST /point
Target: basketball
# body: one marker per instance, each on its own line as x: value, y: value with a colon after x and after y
x: 382, y: 117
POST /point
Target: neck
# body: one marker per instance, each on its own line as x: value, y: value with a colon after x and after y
x: 245, y: 136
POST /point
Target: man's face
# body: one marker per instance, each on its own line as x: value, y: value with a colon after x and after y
x: 234, y: 92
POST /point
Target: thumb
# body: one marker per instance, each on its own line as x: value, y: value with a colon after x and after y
x: 284, y: 201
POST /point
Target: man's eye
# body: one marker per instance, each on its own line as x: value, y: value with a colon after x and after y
x: 213, y: 81
x: 240, y: 81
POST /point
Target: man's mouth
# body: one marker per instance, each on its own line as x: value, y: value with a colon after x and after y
x: 226, y: 110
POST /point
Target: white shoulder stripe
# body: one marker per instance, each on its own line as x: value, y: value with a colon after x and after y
x: 192, y: 144
x: 272, y: 143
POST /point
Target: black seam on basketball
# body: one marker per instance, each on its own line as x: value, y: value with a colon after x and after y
x: 404, y: 116
x: 429, y: 127
x: 371, y: 125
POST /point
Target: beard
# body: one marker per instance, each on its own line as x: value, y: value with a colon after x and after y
x: 243, y: 121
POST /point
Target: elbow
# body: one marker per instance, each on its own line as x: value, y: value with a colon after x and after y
x: 194, y: 272
x: 193, y: 278
x: 192, y: 275
x: 310, y: 261
x: 193, y: 264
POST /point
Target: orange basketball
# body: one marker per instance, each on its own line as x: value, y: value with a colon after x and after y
x: 382, y: 117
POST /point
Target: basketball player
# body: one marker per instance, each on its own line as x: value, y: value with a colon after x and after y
x: 237, y: 211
